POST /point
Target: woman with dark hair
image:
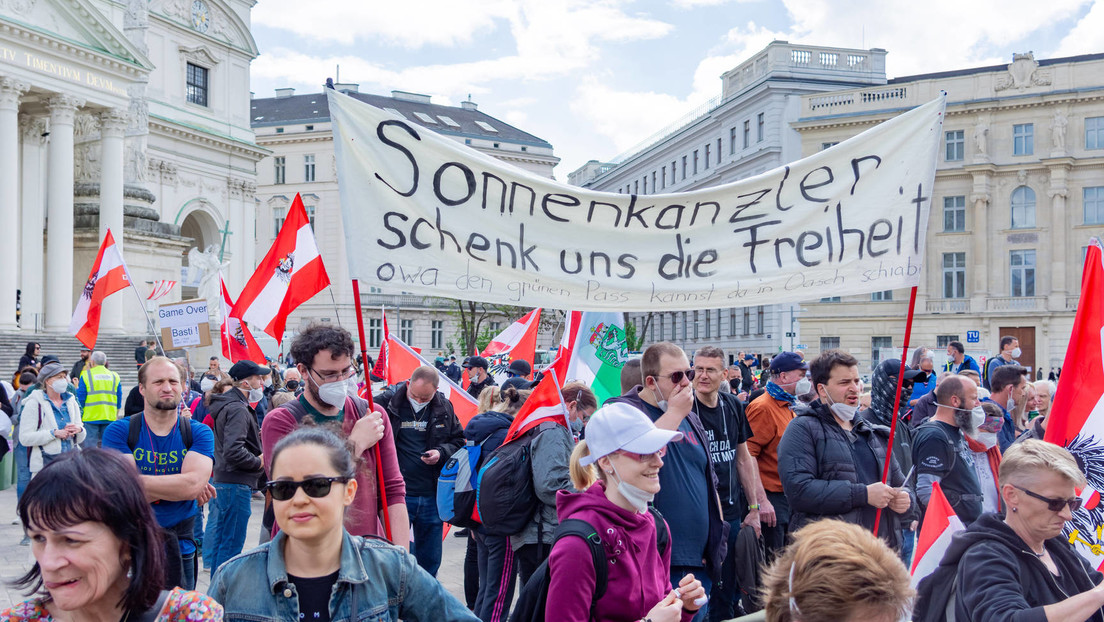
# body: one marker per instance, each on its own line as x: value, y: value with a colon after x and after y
x: 97, y: 547
x: 313, y: 569
x: 30, y: 356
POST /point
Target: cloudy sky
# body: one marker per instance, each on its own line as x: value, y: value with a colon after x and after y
x: 595, y: 77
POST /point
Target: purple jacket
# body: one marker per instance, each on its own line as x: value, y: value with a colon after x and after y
x: 639, y: 577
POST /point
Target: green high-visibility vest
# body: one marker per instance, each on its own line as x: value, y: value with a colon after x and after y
x: 102, y: 400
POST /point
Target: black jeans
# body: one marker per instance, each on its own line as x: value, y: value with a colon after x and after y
x: 471, y: 573
x: 175, y: 573
x: 529, y: 557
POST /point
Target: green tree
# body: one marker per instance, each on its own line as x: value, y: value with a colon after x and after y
x: 635, y: 338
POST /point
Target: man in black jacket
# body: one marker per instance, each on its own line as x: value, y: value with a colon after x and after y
x: 477, y: 367
x: 427, y: 433
x: 830, y: 462
x: 238, y: 467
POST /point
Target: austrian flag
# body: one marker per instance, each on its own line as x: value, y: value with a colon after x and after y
x: 238, y: 343
x: 289, y: 275
x: 109, y: 275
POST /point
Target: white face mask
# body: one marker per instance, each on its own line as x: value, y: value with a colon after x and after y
x: 661, y: 403
x: 59, y: 386
x: 332, y: 393
x: 351, y: 387
x: 268, y: 381
x: 843, y: 411
x: 977, y: 414
x: 417, y: 406
x: 636, y: 497
x: 206, y: 385
x: 255, y: 395
x: 1016, y: 352
x: 988, y: 439
x: 1011, y: 404
x: 803, y: 386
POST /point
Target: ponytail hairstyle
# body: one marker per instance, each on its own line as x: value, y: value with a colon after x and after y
x: 583, y: 477
x: 512, y: 400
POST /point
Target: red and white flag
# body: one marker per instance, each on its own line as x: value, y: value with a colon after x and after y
x: 518, y: 341
x: 402, y: 360
x: 545, y: 404
x: 160, y: 289
x: 238, y: 343
x: 940, y: 524
x: 1076, y: 417
x: 109, y: 275
x: 289, y: 275
x: 380, y: 368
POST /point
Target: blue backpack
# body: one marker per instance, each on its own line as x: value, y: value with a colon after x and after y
x: 458, y: 487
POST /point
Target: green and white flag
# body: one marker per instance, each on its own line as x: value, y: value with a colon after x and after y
x: 593, y: 350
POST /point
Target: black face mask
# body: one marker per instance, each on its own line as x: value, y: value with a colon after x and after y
x: 292, y: 385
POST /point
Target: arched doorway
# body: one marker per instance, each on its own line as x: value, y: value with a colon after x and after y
x: 199, y: 225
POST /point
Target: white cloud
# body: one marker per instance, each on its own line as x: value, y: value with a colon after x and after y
x: 624, y: 117
x: 1084, y: 38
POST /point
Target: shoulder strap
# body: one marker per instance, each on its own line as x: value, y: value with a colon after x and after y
x: 663, y: 536
x: 582, y: 529
x: 296, y: 409
x: 134, y: 429
x: 154, y: 612
x: 360, y: 406
x: 185, y: 431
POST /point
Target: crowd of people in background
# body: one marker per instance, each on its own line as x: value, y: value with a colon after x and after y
x: 717, y: 485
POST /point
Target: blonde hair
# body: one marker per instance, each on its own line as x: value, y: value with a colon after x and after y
x: 583, y: 477
x: 1030, y: 456
x: 487, y: 397
x: 280, y: 398
x: 512, y: 400
x: 832, y: 571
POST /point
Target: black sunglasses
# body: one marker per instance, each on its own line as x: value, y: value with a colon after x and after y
x: 676, y: 376
x: 1054, y: 505
x: 317, y: 487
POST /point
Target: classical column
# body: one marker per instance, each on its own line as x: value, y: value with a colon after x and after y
x: 32, y: 270
x: 10, y: 92
x: 113, y: 124
x: 59, y: 213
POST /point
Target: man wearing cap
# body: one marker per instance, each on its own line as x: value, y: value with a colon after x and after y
x: 768, y: 415
x: 100, y: 395
x: 174, y: 473
x: 238, y: 466
x: 519, y: 368
x: 689, y: 497
x: 745, y: 362
x: 883, y: 388
x: 477, y: 367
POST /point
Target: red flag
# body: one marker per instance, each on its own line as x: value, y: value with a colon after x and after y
x: 402, y: 360
x: 518, y: 341
x: 109, y: 275
x: 238, y: 343
x: 380, y: 368
x: 289, y: 275
x: 160, y: 289
x: 940, y: 524
x: 544, y: 404
x: 1076, y: 418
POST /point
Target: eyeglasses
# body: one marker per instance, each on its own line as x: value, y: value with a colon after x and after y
x: 332, y: 376
x: 676, y: 376
x: 644, y: 457
x: 707, y: 370
x: 317, y: 487
x: 1054, y: 505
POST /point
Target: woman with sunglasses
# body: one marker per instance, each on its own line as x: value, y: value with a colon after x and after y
x: 312, y: 569
x: 617, y: 470
x: 1020, y: 567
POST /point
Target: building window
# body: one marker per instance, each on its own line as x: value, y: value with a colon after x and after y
x: 1023, y: 139
x: 762, y: 124
x: 654, y: 186
x: 1093, y: 201
x: 882, y: 296
x: 309, y: 209
x: 696, y: 335
x: 830, y: 299
x: 1023, y: 272
x: 674, y: 172
x: 684, y: 168
x: 828, y: 145
x: 645, y: 184
x: 1023, y: 208
x: 732, y: 141
x: 876, y: 346
x: 636, y: 186
x: 663, y: 177
x: 406, y: 331
x: 942, y: 341
x: 660, y: 319
x: 374, y: 332
x: 759, y: 322
x: 747, y: 321
x: 437, y: 334
x: 829, y: 343
x: 310, y: 128
x: 695, y: 170
x: 954, y: 214
x: 718, y: 151
x: 708, y: 325
x: 747, y: 133
x: 732, y: 322
x: 308, y: 167
x: 1094, y: 133
x: 707, y: 156
x: 278, y: 216
x: 954, y: 275
x: 281, y: 169
x: 197, y: 84
x: 956, y: 145
x: 684, y: 333
x: 496, y: 327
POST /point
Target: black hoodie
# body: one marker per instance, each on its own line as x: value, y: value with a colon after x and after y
x: 237, y: 439
x: 1002, y: 580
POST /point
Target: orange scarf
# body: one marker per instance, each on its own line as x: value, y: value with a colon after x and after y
x: 994, y: 454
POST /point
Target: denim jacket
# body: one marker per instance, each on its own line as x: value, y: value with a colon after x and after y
x: 379, y: 581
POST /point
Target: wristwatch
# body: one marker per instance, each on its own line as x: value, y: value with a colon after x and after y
x: 753, y: 506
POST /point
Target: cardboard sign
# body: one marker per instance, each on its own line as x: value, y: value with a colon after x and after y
x: 184, y: 324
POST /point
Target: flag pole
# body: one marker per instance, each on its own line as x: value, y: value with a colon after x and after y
x: 337, y: 311
x: 559, y: 394
x: 141, y: 302
x: 371, y: 402
x: 897, y: 401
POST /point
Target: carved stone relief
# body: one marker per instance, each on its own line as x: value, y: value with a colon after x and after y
x: 1023, y: 72
x: 86, y: 162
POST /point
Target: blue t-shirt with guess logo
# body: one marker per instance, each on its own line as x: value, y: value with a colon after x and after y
x: 162, y: 455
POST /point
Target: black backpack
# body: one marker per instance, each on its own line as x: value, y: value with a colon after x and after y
x: 134, y: 430
x: 505, y: 497
x: 533, y: 599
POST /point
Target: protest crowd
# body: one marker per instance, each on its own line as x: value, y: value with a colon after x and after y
x: 698, y: 490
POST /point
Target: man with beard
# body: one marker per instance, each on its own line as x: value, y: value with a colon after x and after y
x: 941, y: 452
x: 174, y: 456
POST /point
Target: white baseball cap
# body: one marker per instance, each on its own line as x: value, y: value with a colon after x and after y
x: 621, y: 426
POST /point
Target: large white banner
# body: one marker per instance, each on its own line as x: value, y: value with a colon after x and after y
x: 427, y: 215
